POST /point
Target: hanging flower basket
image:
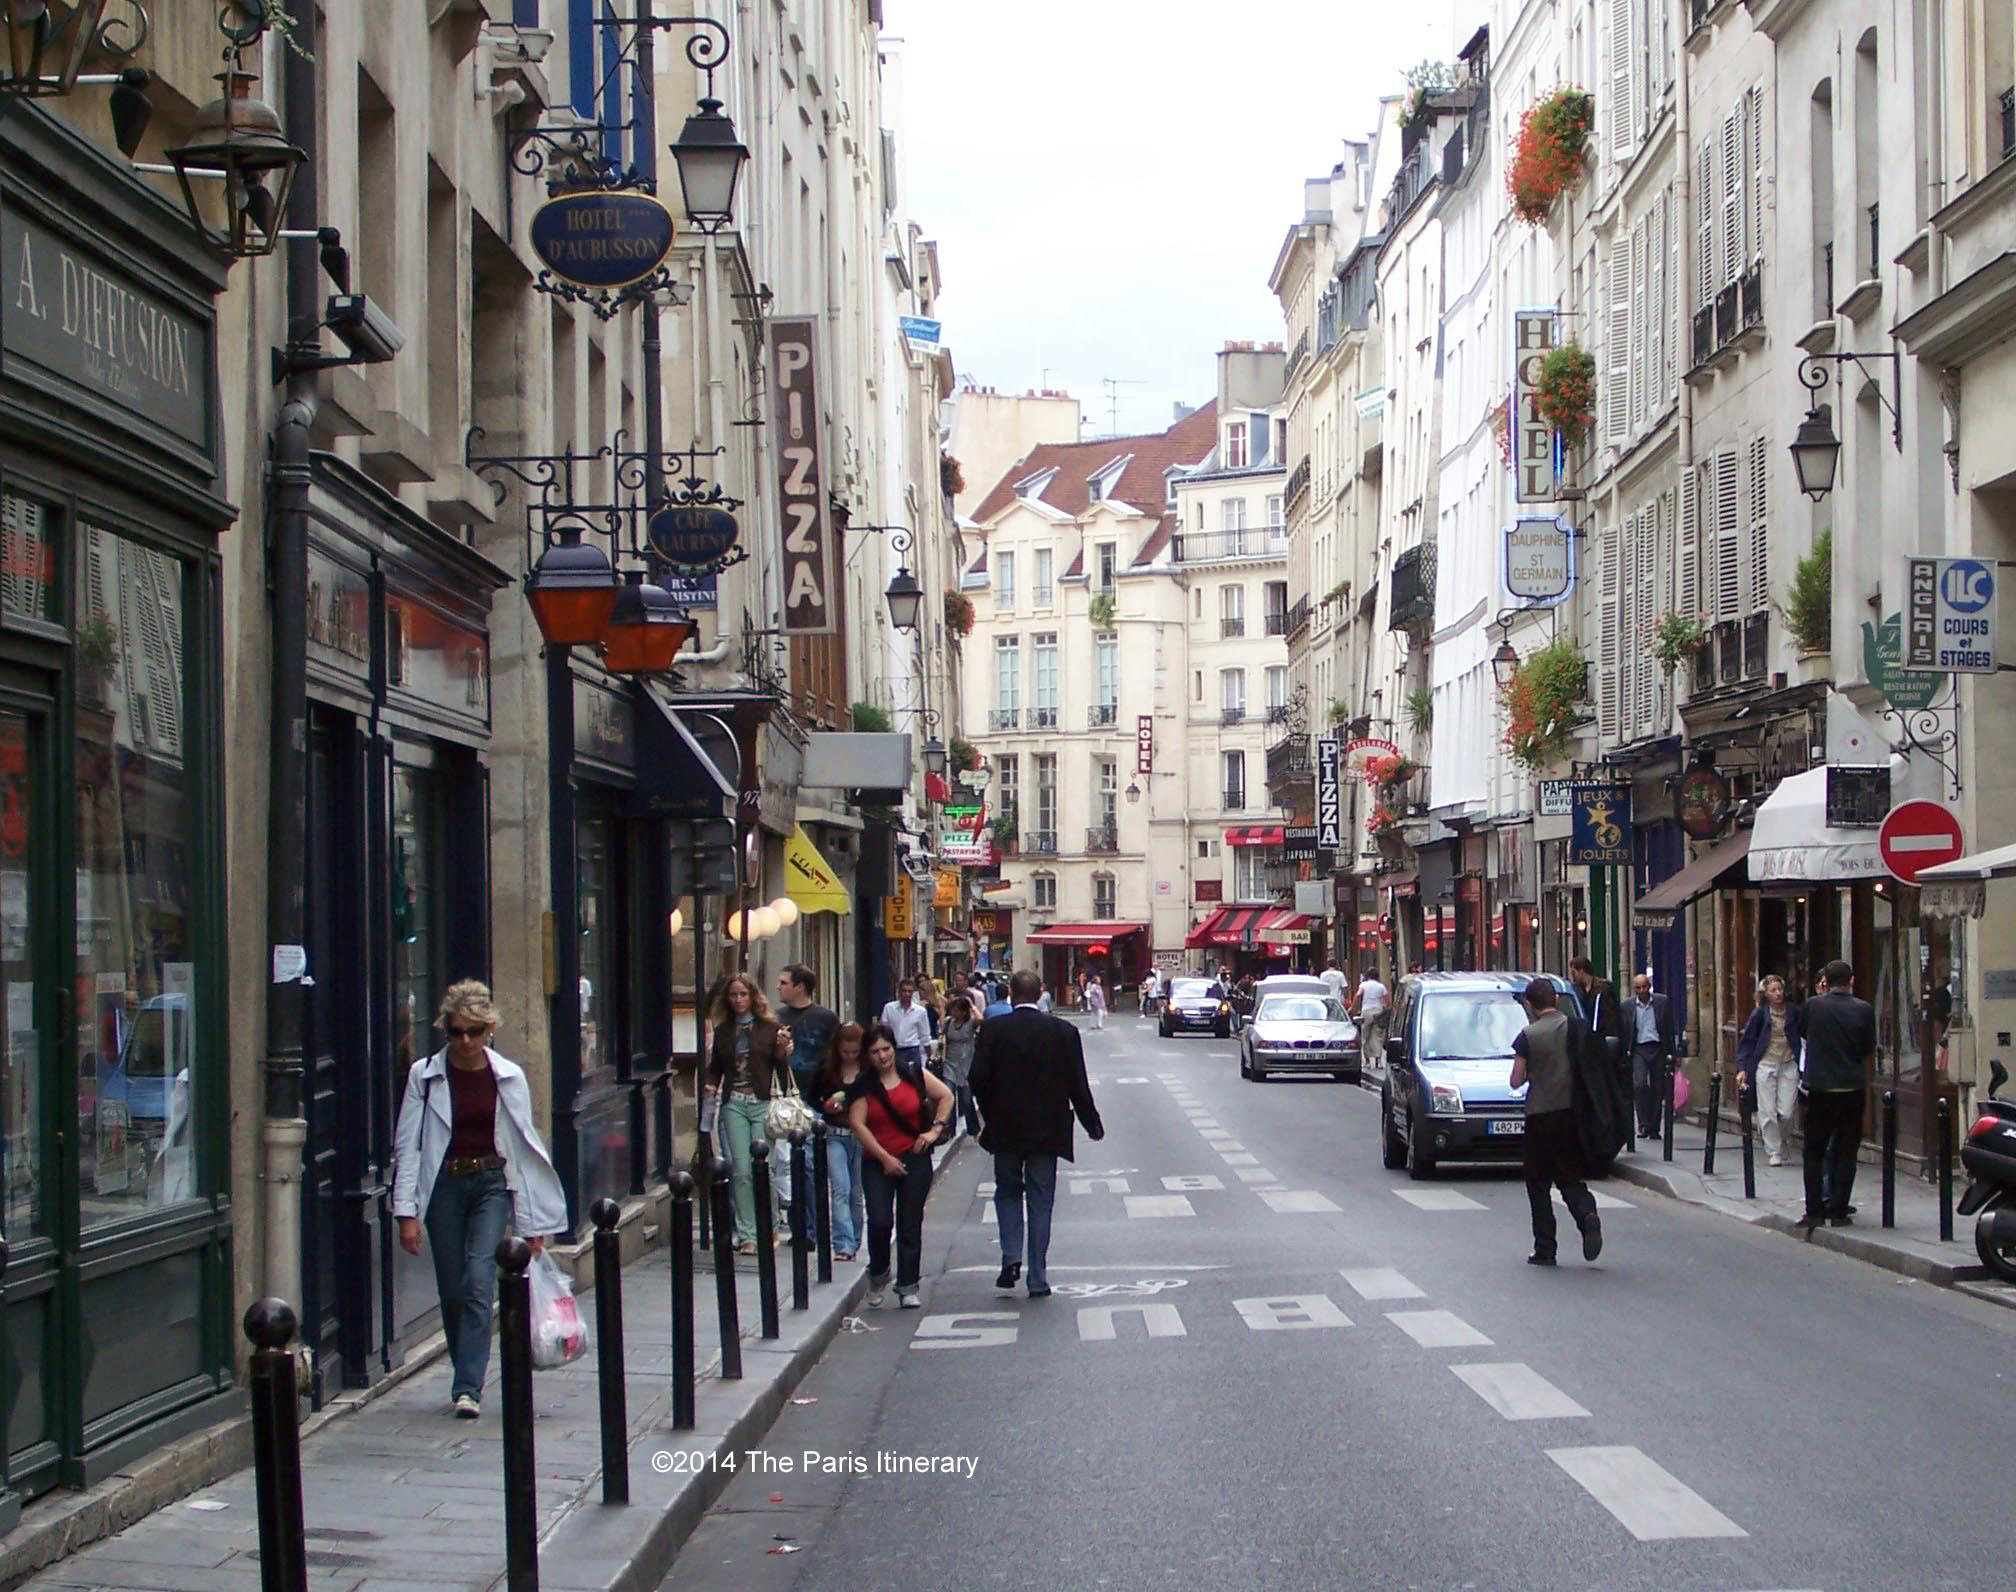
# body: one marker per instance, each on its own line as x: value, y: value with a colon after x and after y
x: 1550, y: 152
x: 1542, y: 702
x: 1565, y: 392
x: 958, y: 613
x: 1677, y: 636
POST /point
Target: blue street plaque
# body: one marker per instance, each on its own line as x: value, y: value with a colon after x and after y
x: 602, y: 241
x: 693, y: 535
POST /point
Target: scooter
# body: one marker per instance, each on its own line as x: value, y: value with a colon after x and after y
x: 1989, y: 1155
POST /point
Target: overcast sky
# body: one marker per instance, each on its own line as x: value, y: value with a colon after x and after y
x: 1109, y: 181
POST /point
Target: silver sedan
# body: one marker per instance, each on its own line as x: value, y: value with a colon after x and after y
x: 1299, y: 1033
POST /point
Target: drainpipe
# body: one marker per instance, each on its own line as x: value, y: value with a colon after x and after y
x: 284, y: 1131
x: 1683, y: 198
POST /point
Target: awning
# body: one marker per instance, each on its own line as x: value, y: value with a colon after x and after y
x: 1084, y: 933
x: 1792, y: 843
x: 1280, y: 920
x: 678, y: 776
x: 1999, y: 863
x: 946, y: 935
x: 1226, y: 926
x: 1666, y: 898
x: 809, y: 878
x: 1257, y: 835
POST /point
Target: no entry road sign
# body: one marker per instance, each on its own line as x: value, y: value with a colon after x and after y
x: 1918, y: 835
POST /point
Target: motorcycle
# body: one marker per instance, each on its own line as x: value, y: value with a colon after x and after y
x: 1989, y: 1156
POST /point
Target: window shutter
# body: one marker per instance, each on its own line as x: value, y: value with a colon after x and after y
x: 1638, y: 638
x: 1690, y: 544
x: 1760, y: 160
x: 1705, y: 212
x: 1760, y: 526
x: 1638, y: 328
x: 1727, y: 577
x: 1674, y: 292
x: 1606, y: 649
x: 1617, y: 343
x: 1732, y: 192
x: 1623, y: 101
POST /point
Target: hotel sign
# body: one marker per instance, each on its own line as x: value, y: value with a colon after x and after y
x: 1144, y: 744
x: 808, y: 561
x: 602, y: 241
x: 1539, y: 559
x: 1532, y: 436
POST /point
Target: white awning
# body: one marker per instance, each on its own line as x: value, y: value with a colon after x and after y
x: 1791, y: 843
x: 1999, y: 863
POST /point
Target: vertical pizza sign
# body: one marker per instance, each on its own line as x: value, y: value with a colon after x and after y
x: 801, y: 490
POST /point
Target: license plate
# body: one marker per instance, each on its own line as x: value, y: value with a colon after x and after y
x: 1509, y: 1129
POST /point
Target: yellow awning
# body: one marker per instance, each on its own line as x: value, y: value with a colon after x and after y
x: 809, y: 877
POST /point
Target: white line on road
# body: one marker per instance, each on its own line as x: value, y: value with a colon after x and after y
x: 1604, y: 1202
x: 1647, y: 1499
x: 1437, y: 1199
x: 1194, y: 1183
x: 1239, y: 1158
x: 1201, y: 1123
x: 945, y: 1332
x: 1159, y: 1205
x: 1125, y: 1265
x: 1518, y: 1392
x: 1437, y: 1329
x: 1255, y: 1174
x: 1290, y: 1313
x: 1096, y: 1322
x: 1380, y: 1282
x: 1299, y: 1202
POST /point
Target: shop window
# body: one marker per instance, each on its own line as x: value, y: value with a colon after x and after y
x: 136, y: 1016
x: 418, y: 977
x: 592, y: 861
x: 27, y: 559
x: 21, y: 1059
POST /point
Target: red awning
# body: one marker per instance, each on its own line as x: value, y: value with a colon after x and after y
x: 1256, y: 835
x: 1084, y: 933
x: 1226, y: 926
x: 1280, y: 920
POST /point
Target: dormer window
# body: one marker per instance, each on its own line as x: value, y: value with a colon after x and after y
x: 1032, y: 486
x: 1095, y: 489
x: 1236, y: 450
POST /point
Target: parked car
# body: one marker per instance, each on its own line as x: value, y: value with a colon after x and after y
x: 1299, y: 1031
x: 157, y: 1047
x: 1196, y: 1005
x: 1448, y: 1094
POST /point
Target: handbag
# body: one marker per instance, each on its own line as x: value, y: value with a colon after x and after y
x: 1679, y: 1091
x: 786, y: 1114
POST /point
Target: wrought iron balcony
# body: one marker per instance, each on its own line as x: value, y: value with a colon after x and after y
x: 1413, y: 586
x: 1230, y: 627
x: 1102, y: 838
x: 1043, y: 718
x: 1230, y: 716
x: 1235, y: 798
x: 1004, y: 718
x: 1875, y: 244
x: 1039, y: 843
x: 1725, y: 315
x: 1298, y: 618
x: 1756, y: 645
x: 1277, y: 624
x: 1704, y: 334
x: 1827, y: 278
x: 1298, y: 481
x: 1102, y: 715
x: 1277, y: 713
x: 1750, y: 294
x: 1204, y: 547
x: 1288, y: 762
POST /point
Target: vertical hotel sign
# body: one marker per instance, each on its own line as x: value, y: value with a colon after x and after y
x: 1532, y: 437
x: 1144, y: 744
x: 801, y: 479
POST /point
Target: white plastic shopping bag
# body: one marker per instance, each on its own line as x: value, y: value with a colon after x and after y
x: 559, y: 1334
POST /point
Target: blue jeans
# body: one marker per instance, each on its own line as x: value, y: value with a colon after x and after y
x: 1031, y: 1178
x: 466, y: 1218
x: 910, y: 1055
x: 896, y: 1205
x: 742, y: 1123
x: 843, y: 1176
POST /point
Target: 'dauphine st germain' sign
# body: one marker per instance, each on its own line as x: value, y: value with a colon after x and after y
x: 77, y: 319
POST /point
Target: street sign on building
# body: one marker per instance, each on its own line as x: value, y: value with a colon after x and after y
x: 1359, y: 754
x: 1144, y: 744
x: 1557, y: 798
x: 1883, y: 661
x: 897, y: 921
x: 1602, y: 823
x: 808, y: 562
x: 1298, y: 843
x: 1918, y: 835
x: 1949, y: 615
x: 1533, y: 468
x: 1539, y: 560
x: 1329, y: 796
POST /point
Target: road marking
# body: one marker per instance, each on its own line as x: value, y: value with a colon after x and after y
x: 1237, y: 1158
x: 1255, y: 1174
x: 945, y: 1332
x: 1196, y: 1183
x: 1437, y: 1199
x: 1105, y: 1185
x: 1647, y: 1499
x: 988, y: 1218
x: 984, y: 1190
x: 1290, y: 1313
x: 1299, y: 1202
x: 1120, y: 1080
x: 1215, y: 1136
x: 1437, y: 1329
x: 1125, y: 1265
x: 1202, y: 1123
x: 1518, y: 1392
x: 1096, y: 1323
x: 1604, y: 1202
x: 1159, y: 1205
x: 1380, y: 1282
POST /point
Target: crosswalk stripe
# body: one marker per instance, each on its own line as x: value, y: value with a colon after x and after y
x: 1437, y: 1329
x: 1237, y: 1158
x: 1293, y: 1202
x: 1604, y: 1202
x: 1648, y: 1500
x: 1518, y: 1392
x: 1160, y: 1205
x: 1255, y: 1174
x: 1437, y: 1199
x: 1380, y: 1282
x: 1196, y: 1182
x: 1096, y: 1323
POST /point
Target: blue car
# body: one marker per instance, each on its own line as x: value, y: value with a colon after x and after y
x: 156, y: 1048
x: 1448, y: 1094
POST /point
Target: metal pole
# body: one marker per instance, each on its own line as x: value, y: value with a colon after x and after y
x: 1945, y: 1170
x: 703, y: 1160
x: 766, y: 1240
x: 276, y: 1447
x: 1666, y: 1108
x: 801, y: 1258
x: 822, y: 1198
x: 1714, y: 1116
x: 725, y: 1298
x: 521, y: 1480
x: 1889, y: 1157
x: 609, y: 1352
x: 1744, y: 1105
x: 683, y: 1415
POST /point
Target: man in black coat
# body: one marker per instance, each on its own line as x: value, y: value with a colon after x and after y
x: 1654, y: 1040
x: 1840, y: 1035
x: 1028, y: 1079
x: 1603, y: 1016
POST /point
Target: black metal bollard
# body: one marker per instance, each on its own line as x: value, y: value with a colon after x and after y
x: 276, y: 1447
x: 683, y: 1415
x: 1714, y: 1120
x: 1889, y: 1157
x: 766, y: 1240
x: 801, y: 1257
x: 1666, y: 1110
x: 606, y: 1213
x: 822, y: 1201
x: 726, y: 1299
x: 1745, y: 1101
x: 703, y: 1174
x: 521, y: 1480
x: 1945, y: 1171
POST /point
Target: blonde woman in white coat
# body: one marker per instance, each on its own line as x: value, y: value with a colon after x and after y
x: 470, y: 1160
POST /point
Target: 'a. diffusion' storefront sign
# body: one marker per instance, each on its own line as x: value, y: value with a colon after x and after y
x: 82, y: 323
x: 602, y: 241
x: 1532, y: 436
x: 801, y: 490
x: 1539, y: 560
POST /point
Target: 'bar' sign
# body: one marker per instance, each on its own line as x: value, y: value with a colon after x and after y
x: 801, y: 479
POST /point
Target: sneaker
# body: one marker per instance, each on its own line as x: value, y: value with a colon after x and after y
x: 1592, y: 1238
x: 466, y: 1407
x: 1040, y: 1293
x: 1538, y: 1259
x: 878, y: 1291
x: 906, y: 1299
x: 1011, y: 1274
x: 1840, y: 1221
x: 1777, y: 1160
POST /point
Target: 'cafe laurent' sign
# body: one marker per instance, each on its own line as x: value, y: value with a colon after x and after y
x: 602, y: 241
x: 71, y: 316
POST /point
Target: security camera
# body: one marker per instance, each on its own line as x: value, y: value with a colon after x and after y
x: 519, y: 46
x: 366, y: 330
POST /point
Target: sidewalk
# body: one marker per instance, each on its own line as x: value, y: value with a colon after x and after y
x: 399, y: 1496
x: 1911, y: 1248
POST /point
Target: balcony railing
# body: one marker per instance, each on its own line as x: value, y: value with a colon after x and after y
x: 1288, y: 762
x: 1750, y: 297
x: 1704, y: 334
x: 1725, y: 315
x: 1039, y: 843
x: 1043, y: 718
x: 1413, y: 586
x: 1004, y: 718
x: 1298, y: 618
x: 1203, y: 547
x: 1277, y: 624
x: 1045, y: 597
x: 1298, y: 481
x: 1756, y: 645
x: 2007, y: 101
x: 1235, y: 798
x: 1277, y: 713
x: 1102, y: 837
x: 1230, y: 716
x: 1230, y: 626
x: 1102, y: 715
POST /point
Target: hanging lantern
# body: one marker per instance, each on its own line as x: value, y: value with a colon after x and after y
x: 678, y: 922
x: 46, y: 44
x: 571, y: 589
x: 763, y: 922
x: 645, y: 629
x: 786, y: 910
x: 237, y: 168
x: 710, y: 159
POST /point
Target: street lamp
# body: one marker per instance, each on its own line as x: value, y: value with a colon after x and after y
x: 645, y: 629
x: 43, y: 54
x: 1505, y: 664
x: 710, y: 159
x: 934, y: 757
x: 571, y: 591
x: 1133, y: 790
x: 906, y: 599
x: 1816, y: 452
x: 236, y: 140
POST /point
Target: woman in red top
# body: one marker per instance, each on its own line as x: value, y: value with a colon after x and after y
x: 898, y: 1114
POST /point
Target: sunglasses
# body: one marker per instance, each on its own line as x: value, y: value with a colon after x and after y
x: 467, y: 1033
